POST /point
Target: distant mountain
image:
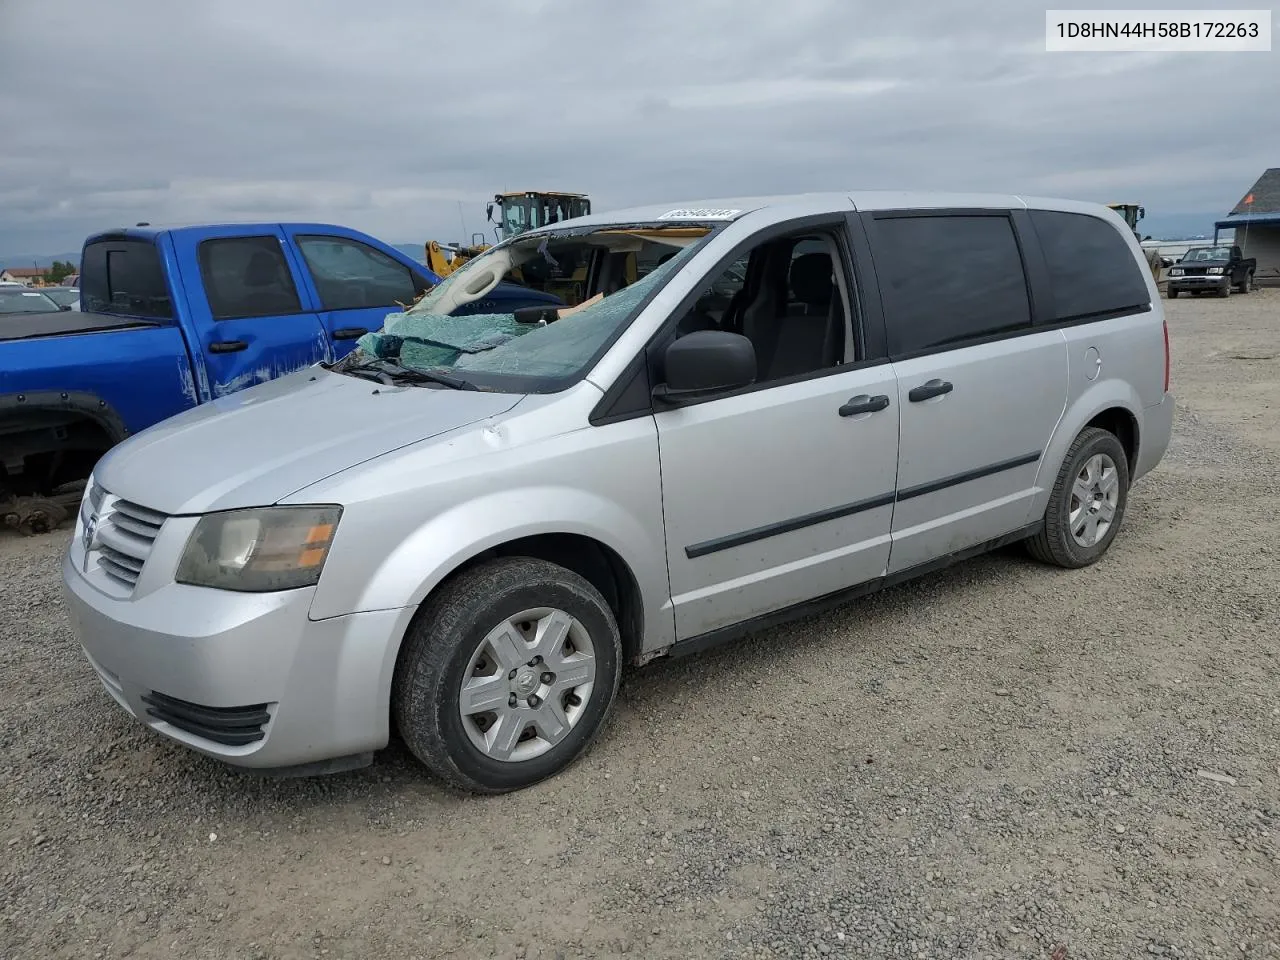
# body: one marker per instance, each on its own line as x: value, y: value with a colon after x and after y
x: 415, y: 250
x: 36, y: 259
x: 1178, y: 226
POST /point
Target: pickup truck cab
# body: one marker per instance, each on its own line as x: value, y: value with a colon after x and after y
x: 1216, y: 269
x: 172, y: 318
x: 759, y: 408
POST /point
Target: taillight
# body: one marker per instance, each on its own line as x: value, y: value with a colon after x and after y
x: 1166, y: 356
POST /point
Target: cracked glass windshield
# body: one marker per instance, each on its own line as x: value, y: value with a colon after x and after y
x: 601, y: 277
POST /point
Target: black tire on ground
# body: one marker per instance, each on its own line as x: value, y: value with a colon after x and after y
x: 1171, y: 293
x: 1054, y: 543
x: 1246, y: 285
x: 438, y: 648
x: 1225, y: 290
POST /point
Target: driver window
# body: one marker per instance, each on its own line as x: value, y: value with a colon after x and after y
x: 787, y: 296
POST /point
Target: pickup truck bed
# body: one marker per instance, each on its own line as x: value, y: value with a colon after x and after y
x: 24, y: 326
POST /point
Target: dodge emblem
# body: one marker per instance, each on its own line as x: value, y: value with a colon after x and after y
x: 90, y: 531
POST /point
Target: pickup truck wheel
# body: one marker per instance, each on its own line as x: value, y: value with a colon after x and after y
x: 1246, y: 285
x: 507, y: 675
x: 1087, y: 503
x: 1225, y: 290
x: 1171, y: 293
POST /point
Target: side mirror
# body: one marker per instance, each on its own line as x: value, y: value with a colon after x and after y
x: 704, y: 363
x: 488, y: 212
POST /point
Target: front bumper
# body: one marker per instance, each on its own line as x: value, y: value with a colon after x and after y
x: 219, y: 661
x: 1199, y: 283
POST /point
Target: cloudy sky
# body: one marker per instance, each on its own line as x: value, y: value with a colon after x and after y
x: 401, y: 116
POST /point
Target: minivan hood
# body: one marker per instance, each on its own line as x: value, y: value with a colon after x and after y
x: 256, y: 446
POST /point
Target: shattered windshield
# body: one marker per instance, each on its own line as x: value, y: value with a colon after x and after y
x: 550, y: 345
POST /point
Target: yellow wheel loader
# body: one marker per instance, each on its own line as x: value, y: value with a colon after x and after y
x: 1132, y: 213
x: 517, y: 212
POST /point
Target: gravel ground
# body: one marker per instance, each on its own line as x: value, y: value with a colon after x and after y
x: 1003, y: 760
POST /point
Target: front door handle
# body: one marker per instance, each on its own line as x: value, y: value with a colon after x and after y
x: 864, y: 404
x: 349, y: 333
x: 228, y: 346
x: 926, y: 391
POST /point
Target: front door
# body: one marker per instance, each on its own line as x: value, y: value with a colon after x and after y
x: 784, y: 492
x: 356, y: 286
x: 980, y: 389
x: 252, y: 323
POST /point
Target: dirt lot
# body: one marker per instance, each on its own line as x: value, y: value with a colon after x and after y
x: 993, y: 762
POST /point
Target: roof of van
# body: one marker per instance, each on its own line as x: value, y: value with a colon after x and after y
x: 801, y: 204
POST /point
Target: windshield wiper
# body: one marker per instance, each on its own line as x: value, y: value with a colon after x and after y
x: 389, y: 371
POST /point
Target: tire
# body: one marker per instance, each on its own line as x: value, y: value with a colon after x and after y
x: 447, y: 644
x: 1171, y: 293
x: 1056, y: 543
x: 1224, y: 291
x: 1246, y: 285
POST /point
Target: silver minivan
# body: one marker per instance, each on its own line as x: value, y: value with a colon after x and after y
x: 751, y: 410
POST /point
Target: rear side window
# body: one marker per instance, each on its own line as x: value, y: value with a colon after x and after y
x: 1091, y: 268
x: 247, y: 277
x: 946, y: 279
x: 125, y: 278
x: 350, y: 275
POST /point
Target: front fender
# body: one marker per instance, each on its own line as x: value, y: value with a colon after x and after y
x: 1101, y: 395
x: 425, y: 557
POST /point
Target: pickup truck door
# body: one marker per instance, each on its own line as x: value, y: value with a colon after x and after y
x: 1238, y: 268
x: 242, y: 290
x: 355, y: 281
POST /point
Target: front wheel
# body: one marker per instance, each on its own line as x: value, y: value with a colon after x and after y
x: 507, y: 675
x: 1087, y: 503
x: 1224, y: 291
x: 1171, y: 293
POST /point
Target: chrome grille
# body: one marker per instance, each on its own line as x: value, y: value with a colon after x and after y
x: 126, y: 532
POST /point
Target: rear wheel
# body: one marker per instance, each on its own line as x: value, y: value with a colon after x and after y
x: 507, y: 675
x: 1087, y: 504
x: 1246, y: 285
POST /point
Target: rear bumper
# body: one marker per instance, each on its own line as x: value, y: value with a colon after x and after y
x: 245, y: 678
x: 1155, y: 433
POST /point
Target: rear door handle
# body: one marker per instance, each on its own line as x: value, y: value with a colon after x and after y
x: 864, y: 404
x: 349, y: 333
x: 934, y: 388
x: 228, y: 346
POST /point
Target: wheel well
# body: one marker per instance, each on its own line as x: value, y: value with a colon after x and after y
x: 45, y: 448
x: 593, y: 561
x: 1122, y: 424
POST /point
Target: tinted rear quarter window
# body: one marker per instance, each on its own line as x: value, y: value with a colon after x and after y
x: 124, y: 277
x: 1091, y: 268
x: 947, y: 279
x: 247, y: 277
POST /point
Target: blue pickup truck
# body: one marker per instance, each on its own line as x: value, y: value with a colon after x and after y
x: 174, y: 317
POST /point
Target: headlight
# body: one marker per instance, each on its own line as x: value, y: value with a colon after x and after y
x: 1215, y: 270
x: 1175, y: 272
x: 256, y: 551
